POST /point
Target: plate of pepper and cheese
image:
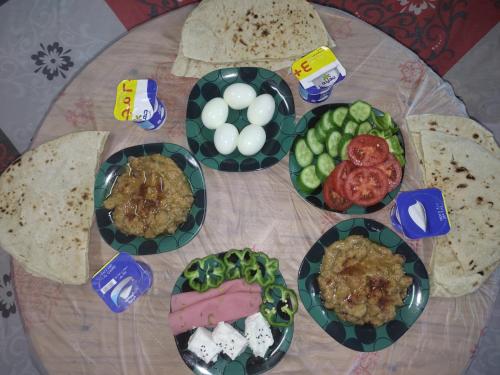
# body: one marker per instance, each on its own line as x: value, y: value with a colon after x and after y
x: 232, y: 313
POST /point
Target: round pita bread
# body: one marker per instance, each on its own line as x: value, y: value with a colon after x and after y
x: 47, y: 204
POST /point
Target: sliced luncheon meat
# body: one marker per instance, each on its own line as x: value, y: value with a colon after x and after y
x: 182, y: 300
x: 219, y: 308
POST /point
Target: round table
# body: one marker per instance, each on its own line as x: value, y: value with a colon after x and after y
x: 72, y: 330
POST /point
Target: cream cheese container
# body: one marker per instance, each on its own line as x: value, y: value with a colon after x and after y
x: 317, y: 73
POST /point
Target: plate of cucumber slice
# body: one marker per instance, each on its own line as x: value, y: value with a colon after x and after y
x: 322, y: 143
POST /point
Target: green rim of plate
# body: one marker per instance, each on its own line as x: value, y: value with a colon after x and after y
x: 363, y: 338
x: 315, y: 198
x: 280, y: 131
x: 136, y: 245
x: 246, y: 363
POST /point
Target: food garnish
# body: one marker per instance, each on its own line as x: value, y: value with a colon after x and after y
x: 205, y: 273
x: 236, y: 261
x: 279, y: 305
x: 262, y: 270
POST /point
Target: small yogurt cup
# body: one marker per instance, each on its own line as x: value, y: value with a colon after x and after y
x: 420, y: 213
x: 121, y: 281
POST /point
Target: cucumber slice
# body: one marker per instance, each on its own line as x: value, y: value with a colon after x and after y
x: 320, y: 134
x: 382, y: 122
x: 401, y: 159
x: 314, y: 143
x: 332, y: 143
x: 308, y: 180
x: 350, y: 127
x: 303, y: 153
x: 364, y: 128
x: 327, y: 124
x: 324, y: 166
x: 360, y: 111
x: 344, y: 142
x: 394, y: 146
x: 339, y: 116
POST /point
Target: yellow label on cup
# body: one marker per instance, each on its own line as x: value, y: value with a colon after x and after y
x: 313, y: 62
x: 125, y: 98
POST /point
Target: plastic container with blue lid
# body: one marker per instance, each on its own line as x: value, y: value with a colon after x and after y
x: 121, y: 281
x: 420, y: 213
x: 317, y: 73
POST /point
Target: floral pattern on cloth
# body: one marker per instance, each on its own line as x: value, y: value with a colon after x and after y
x: 7, y: 298
x: 52, y: 60
x: 440, y: 32
x: 416, y: 6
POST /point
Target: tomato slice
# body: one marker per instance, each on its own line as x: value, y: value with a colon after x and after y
x: 334, y: 200
x: 393, y: 170
x: 366, y: 186
x: 340, y: 174
x: 367, y: 150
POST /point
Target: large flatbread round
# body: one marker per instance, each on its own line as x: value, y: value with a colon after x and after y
x: 47, y: 203
x: 222, y: 31
x: 465, y: 171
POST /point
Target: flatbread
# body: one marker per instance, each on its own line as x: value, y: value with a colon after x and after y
x: 185, y: 67
x: 464, y: 169
x: 47, y: 203
x: 452, y: 125
x: 467, y: 174
x: 222, y: 31
x: 448, y: 277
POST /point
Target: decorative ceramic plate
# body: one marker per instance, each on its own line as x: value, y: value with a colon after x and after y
x: 135, y: 245
x: 315, y: 198
x: 364, y: 338
x: 280, y: 131
x: 244, y: 364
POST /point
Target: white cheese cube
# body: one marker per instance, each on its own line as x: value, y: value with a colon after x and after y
x: 203, y: 346
x: 258, y: 334
x: 229, y: 340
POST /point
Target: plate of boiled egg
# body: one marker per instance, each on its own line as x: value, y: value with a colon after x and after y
x: 240, y: 119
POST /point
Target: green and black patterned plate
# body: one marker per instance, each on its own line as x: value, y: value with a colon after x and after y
x: 244, y: 364
x: 135, y: 245
x: 280, y: 132
x: 315, y: 198
x: 363, y: 338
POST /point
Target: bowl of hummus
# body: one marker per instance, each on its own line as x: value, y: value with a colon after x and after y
x: 150, y: 198
x: 363, y: 284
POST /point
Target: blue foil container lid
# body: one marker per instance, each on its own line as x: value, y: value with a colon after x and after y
x: 121, y: 281
x: 420, y: 213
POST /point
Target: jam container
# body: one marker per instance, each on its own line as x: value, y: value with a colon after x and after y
x: 420, y: 213
x: 121, y: 281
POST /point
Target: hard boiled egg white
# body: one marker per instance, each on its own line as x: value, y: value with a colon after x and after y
x: 226, y: 138
x: 214, y: 114
x: 261, y: 110
x: 251, y: 139
x: 239, y: 95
